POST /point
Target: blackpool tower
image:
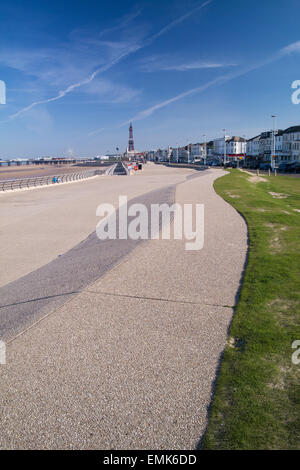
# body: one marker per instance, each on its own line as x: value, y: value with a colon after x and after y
x: 130, y: 142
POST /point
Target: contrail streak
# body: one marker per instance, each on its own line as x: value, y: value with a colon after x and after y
x: 97, y: 131
x: 294, y: 47
x: 70, y: 88
x: 106, y: 67
x: 179, y: 20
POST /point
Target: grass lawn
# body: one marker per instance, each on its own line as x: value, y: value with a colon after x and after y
x: 257, y: 397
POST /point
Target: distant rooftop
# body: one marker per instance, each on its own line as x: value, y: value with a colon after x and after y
x: 254, y: 138
x: 236, y: 138
x: 292, y: 129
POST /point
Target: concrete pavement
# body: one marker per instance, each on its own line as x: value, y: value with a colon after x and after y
x: 130, y: 361
x: 34, y: 295
x: 38, y: 225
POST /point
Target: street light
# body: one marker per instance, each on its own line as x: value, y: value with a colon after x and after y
x: 177, y: 152
x: 243, y: 150
x: 224, y: 130
x: 274, y: 146
x: 188, y: 150
x: 204, y: 135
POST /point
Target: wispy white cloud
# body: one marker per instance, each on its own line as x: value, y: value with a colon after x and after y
x: 147, y: 112
x: 179, y: 20
x: 166, y: 63
x: 74, y: 86
x: 197, y: 65
x: 122, y: 24
x: 97, y: 131
x: 104, y: 90
x: 291, y: 48
x: 39, y: 121
x: 123, y: 53
x: 294, y: 47
x: 54, y: 67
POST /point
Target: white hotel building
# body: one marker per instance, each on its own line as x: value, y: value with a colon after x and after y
x: 236, y: 147
x: 287, y: 146
x: 291, y: 144
x: 253, y: 147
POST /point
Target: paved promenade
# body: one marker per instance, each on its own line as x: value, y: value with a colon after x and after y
x: 115, y: 345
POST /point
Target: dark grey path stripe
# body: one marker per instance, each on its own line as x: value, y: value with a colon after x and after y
x: 33, y: 296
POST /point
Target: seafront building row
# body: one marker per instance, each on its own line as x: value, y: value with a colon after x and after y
x: 280, y: 145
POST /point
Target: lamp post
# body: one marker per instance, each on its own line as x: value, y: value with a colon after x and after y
x: 204, y: 135
x: 224, y: 130
x: 243, y: 150
x: 273, y: 143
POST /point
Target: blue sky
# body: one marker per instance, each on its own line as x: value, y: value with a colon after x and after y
x: 76, y: 72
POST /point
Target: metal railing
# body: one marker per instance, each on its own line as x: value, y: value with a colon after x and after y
x: 33, y: 181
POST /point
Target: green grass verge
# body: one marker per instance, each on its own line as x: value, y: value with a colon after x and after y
x: 257, y: 398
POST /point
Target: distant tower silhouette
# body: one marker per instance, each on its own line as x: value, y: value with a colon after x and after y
x: 130, y: 142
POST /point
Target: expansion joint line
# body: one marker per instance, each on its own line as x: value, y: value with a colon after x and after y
x: 159, y: 299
